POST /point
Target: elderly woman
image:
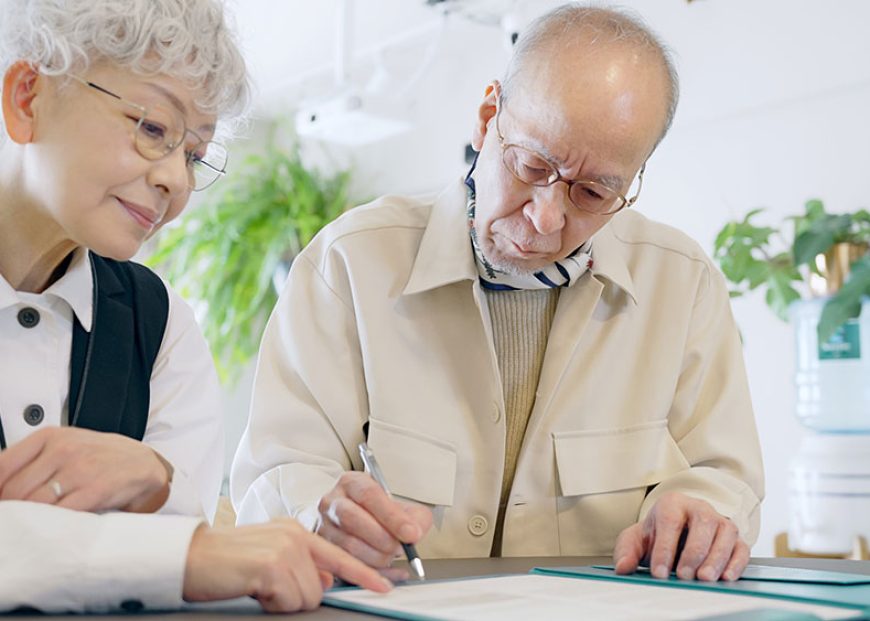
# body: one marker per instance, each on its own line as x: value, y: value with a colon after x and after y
x: 108, y: 398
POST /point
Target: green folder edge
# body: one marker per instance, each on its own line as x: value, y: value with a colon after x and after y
x: 840, y: 595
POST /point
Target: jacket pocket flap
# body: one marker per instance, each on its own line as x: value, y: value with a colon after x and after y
x: 415, y: 465
x: 609, y: 460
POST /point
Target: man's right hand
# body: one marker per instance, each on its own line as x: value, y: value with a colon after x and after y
x: 358, y: 516
x: 280, y: 564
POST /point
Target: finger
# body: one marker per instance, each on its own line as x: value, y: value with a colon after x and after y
x: 720, y: 552
x: 282, y: 597
x: 356, y: 521
x: 665, y: 538
x: 419, y: 514
x: 326, y: 579
x: 389, y: 513
x: 307, y: 576
x: 355, y: 546
x: 703, y: 525
x: 30, y: 477
x: 738, y: 562
x: 88, y: 498
x: 339, y: 563
x: 19, y: 455
x: 47, y: 494
x: 629, y: 550
x: 395, y: 575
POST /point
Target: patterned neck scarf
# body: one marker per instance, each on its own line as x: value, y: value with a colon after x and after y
x: 562, y: 273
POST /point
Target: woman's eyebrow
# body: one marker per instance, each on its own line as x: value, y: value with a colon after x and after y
x: 207, y: 128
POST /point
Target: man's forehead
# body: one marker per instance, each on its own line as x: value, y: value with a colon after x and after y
x: 607, y: 99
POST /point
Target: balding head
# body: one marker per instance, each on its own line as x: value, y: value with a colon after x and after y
x: 557, y: 43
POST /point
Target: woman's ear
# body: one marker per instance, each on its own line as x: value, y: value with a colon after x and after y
x: 485, y: 112
x: 21, y: 83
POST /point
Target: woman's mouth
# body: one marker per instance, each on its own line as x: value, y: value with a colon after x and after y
x: 144, y: 217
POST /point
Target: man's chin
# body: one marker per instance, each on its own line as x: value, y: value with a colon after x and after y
x: 518, y: 267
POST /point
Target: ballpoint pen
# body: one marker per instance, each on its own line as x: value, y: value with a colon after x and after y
x: 374, y: 470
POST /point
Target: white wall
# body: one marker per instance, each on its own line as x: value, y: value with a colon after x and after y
x: 775, y: 95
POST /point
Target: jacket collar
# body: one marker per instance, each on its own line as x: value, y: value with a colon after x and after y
x: 608, y: 256
x: 445, y: 255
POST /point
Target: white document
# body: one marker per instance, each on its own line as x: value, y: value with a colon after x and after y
x: 552, y: 598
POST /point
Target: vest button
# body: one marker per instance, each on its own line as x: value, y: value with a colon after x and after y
x: 28, y: 317
x: 33, y: 414
x: 478, y: 525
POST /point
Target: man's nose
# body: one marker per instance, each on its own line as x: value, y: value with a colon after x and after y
x: 547, y: 210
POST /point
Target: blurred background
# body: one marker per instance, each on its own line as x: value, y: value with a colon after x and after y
x: 356, y: 98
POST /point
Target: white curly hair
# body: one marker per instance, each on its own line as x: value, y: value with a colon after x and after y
x: 187, y: 39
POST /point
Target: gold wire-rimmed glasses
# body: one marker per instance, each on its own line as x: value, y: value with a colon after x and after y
x: 160, y: 130
x: 534, y: 169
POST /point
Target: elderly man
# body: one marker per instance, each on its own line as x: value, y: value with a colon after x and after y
x: 546, y: 371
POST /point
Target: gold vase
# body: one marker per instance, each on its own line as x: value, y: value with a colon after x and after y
x: 834, y: 266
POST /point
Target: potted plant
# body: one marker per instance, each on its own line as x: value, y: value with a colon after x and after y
x: 826, y: 252
x: 225, y: 252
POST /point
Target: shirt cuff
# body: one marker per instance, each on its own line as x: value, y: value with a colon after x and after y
x: 138, y: 561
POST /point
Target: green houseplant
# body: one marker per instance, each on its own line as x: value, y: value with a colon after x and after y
x: 780, y: 258
x: 225, y: 252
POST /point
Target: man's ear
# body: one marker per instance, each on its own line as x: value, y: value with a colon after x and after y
x: 21, y: 83
x: 485, y: 112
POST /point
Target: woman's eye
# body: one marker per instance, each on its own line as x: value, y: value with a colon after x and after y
x: 152, y: 130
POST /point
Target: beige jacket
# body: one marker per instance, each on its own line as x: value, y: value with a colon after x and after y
x: 383, y: 323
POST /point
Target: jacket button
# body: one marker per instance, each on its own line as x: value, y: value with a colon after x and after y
x: 28, y: 317
x: 477, y: 525
x: 33, y: 414
x: 496, y: 413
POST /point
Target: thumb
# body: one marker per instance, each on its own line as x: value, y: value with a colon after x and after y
x: 629, y: 549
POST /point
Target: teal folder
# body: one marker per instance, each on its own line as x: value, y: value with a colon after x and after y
x: 767, y: 585
x: 801, y: 585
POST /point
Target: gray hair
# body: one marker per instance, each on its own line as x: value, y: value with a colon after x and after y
x: 600, y: 25
x: 186, y: 39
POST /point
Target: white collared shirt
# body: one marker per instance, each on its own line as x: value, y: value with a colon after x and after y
x: 183, y: 419
x: 184, y: 426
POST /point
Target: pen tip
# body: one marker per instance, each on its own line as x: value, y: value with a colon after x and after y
x: 417, y: 566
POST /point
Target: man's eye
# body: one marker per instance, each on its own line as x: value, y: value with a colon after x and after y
x: 591, y: 194
x: 530, y: 171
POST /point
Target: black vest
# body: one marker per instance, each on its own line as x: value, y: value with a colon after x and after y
x: 110, y: 368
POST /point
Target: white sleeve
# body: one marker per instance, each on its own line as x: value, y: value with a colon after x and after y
x: 57, y: 560
x: 185, y: 423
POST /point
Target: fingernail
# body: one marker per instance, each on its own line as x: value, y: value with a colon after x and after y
x: 407, y: 533
x: 705, y: 573
x: 685, y: 573
x: 660, y: 571
x: 387, y: 583
x: 728, y: 576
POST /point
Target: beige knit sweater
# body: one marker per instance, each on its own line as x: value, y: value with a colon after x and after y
x: 521, y: 323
